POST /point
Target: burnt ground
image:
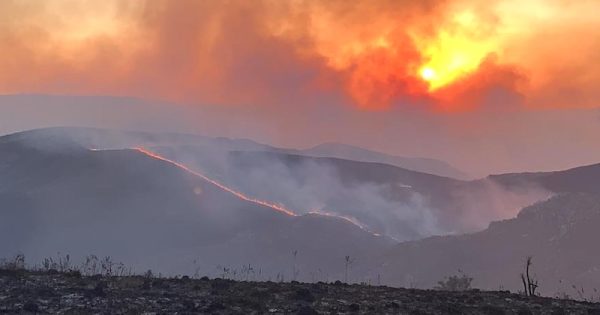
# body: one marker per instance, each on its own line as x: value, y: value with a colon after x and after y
x: 28, y: 292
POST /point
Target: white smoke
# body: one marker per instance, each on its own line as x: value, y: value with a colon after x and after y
x: 308, y: 186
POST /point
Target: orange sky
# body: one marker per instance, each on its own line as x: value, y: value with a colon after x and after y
x: 449, y: 55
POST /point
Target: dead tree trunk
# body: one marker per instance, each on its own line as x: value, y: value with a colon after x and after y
x: 529, y: 284
x: 524, y: 284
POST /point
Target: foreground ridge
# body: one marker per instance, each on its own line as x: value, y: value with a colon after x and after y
x: 53, y: 292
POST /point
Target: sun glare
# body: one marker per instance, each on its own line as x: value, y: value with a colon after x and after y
x: 428, y: 74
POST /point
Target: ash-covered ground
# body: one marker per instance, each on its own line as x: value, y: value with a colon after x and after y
x: 28, y: 292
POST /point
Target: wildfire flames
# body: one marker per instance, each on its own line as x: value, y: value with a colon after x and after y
x: 214, y: 182
x: 242, y: 196
x: 343, y: 217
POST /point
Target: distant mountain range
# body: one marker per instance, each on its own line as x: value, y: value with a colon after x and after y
x: 58, y: 195
x: 423, y: 165
x: 107, y: 138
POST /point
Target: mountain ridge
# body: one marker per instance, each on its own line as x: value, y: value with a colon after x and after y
x: 558, y: 233
x: 419, y: 164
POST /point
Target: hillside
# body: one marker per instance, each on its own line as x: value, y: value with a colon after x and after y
x: 60, y: 197
x: 419, y: 164
x: 560, y: 234
x: 578, y: 179
x: 397, y: 202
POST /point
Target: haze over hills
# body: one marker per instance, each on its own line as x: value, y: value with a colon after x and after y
x: 337, y: 150
x: 57, y: 195
x: 152, y: 214
x: 107, y: 112
x: 393, y: 201
x: 455, y: 206
x: 477, y: 153
x: 389, y: 200
x: 578, y: 179
x: 424, y: 165
x: 560, y: 234
x: 367, y: 141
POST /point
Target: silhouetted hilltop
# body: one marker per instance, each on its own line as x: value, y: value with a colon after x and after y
x: 560, y: 234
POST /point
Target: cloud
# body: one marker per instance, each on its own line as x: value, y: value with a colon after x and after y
x: 366, y: 53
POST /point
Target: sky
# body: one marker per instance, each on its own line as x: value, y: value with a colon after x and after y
x: 489, y: 86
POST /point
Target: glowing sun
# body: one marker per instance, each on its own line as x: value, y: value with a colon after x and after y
x: 428, y: 74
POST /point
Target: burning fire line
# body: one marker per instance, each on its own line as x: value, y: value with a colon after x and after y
x: 350, y: 220
x: 240, y: 195
x: 345, y: 218
x: 214, y: 182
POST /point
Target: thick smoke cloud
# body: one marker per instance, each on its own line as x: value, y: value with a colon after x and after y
x: 365, y: 53
x: 395, y: 209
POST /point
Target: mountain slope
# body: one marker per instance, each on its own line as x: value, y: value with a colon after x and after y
x: 424, y: 165
x: 579, y: 179
x: 107, y: 138
x: 400, y: 203
x: 560, y: 234
x: 57, y: 195
x: 60, y: 197
x: 389, y: 200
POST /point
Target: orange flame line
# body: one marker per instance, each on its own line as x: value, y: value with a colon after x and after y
x: 240, y: 195
x: 214, y: 182
x: 348, y: 219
